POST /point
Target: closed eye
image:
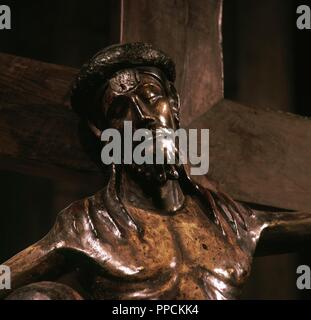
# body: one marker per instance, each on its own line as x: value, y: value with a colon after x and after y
x: 155, y: 98
x: 151, y: 93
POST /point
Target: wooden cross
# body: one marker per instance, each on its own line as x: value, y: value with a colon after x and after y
x: 257, y: 156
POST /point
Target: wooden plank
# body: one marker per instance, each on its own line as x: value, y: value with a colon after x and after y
x: 260, y: 156
x: 39, y: 133
x: 25, y: 81
x: 46, y: 141
x: 190, y: 32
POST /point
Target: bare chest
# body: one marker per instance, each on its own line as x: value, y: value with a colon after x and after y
x: 184, y: 256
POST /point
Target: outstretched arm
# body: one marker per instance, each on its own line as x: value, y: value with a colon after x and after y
x: 29, y: 265
x: 283, y: 231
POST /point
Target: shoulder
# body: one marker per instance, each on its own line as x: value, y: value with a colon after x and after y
x: 88, y: 224
x: 77, y: 224
x: 236, y: 220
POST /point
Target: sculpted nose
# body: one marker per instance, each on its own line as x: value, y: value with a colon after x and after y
x: 144, y: 118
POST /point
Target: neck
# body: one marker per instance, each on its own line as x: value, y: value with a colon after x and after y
x: 168, y: 197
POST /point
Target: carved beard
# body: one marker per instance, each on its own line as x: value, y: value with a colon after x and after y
x: 159, y: 174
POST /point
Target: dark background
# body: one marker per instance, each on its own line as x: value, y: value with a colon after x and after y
x: 267, y: 65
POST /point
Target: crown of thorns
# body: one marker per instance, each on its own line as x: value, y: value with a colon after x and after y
x: 106, y: 63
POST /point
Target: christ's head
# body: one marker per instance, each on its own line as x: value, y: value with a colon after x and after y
x: 139, y: 90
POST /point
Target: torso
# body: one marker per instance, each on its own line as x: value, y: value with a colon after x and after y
x: 180, y: 256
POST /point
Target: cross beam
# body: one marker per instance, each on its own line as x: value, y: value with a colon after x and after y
x: 258, y: 156
x: 39, y: 134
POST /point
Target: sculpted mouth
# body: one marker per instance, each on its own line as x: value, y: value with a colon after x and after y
x: 162, y: 141
x: 159, y: 132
